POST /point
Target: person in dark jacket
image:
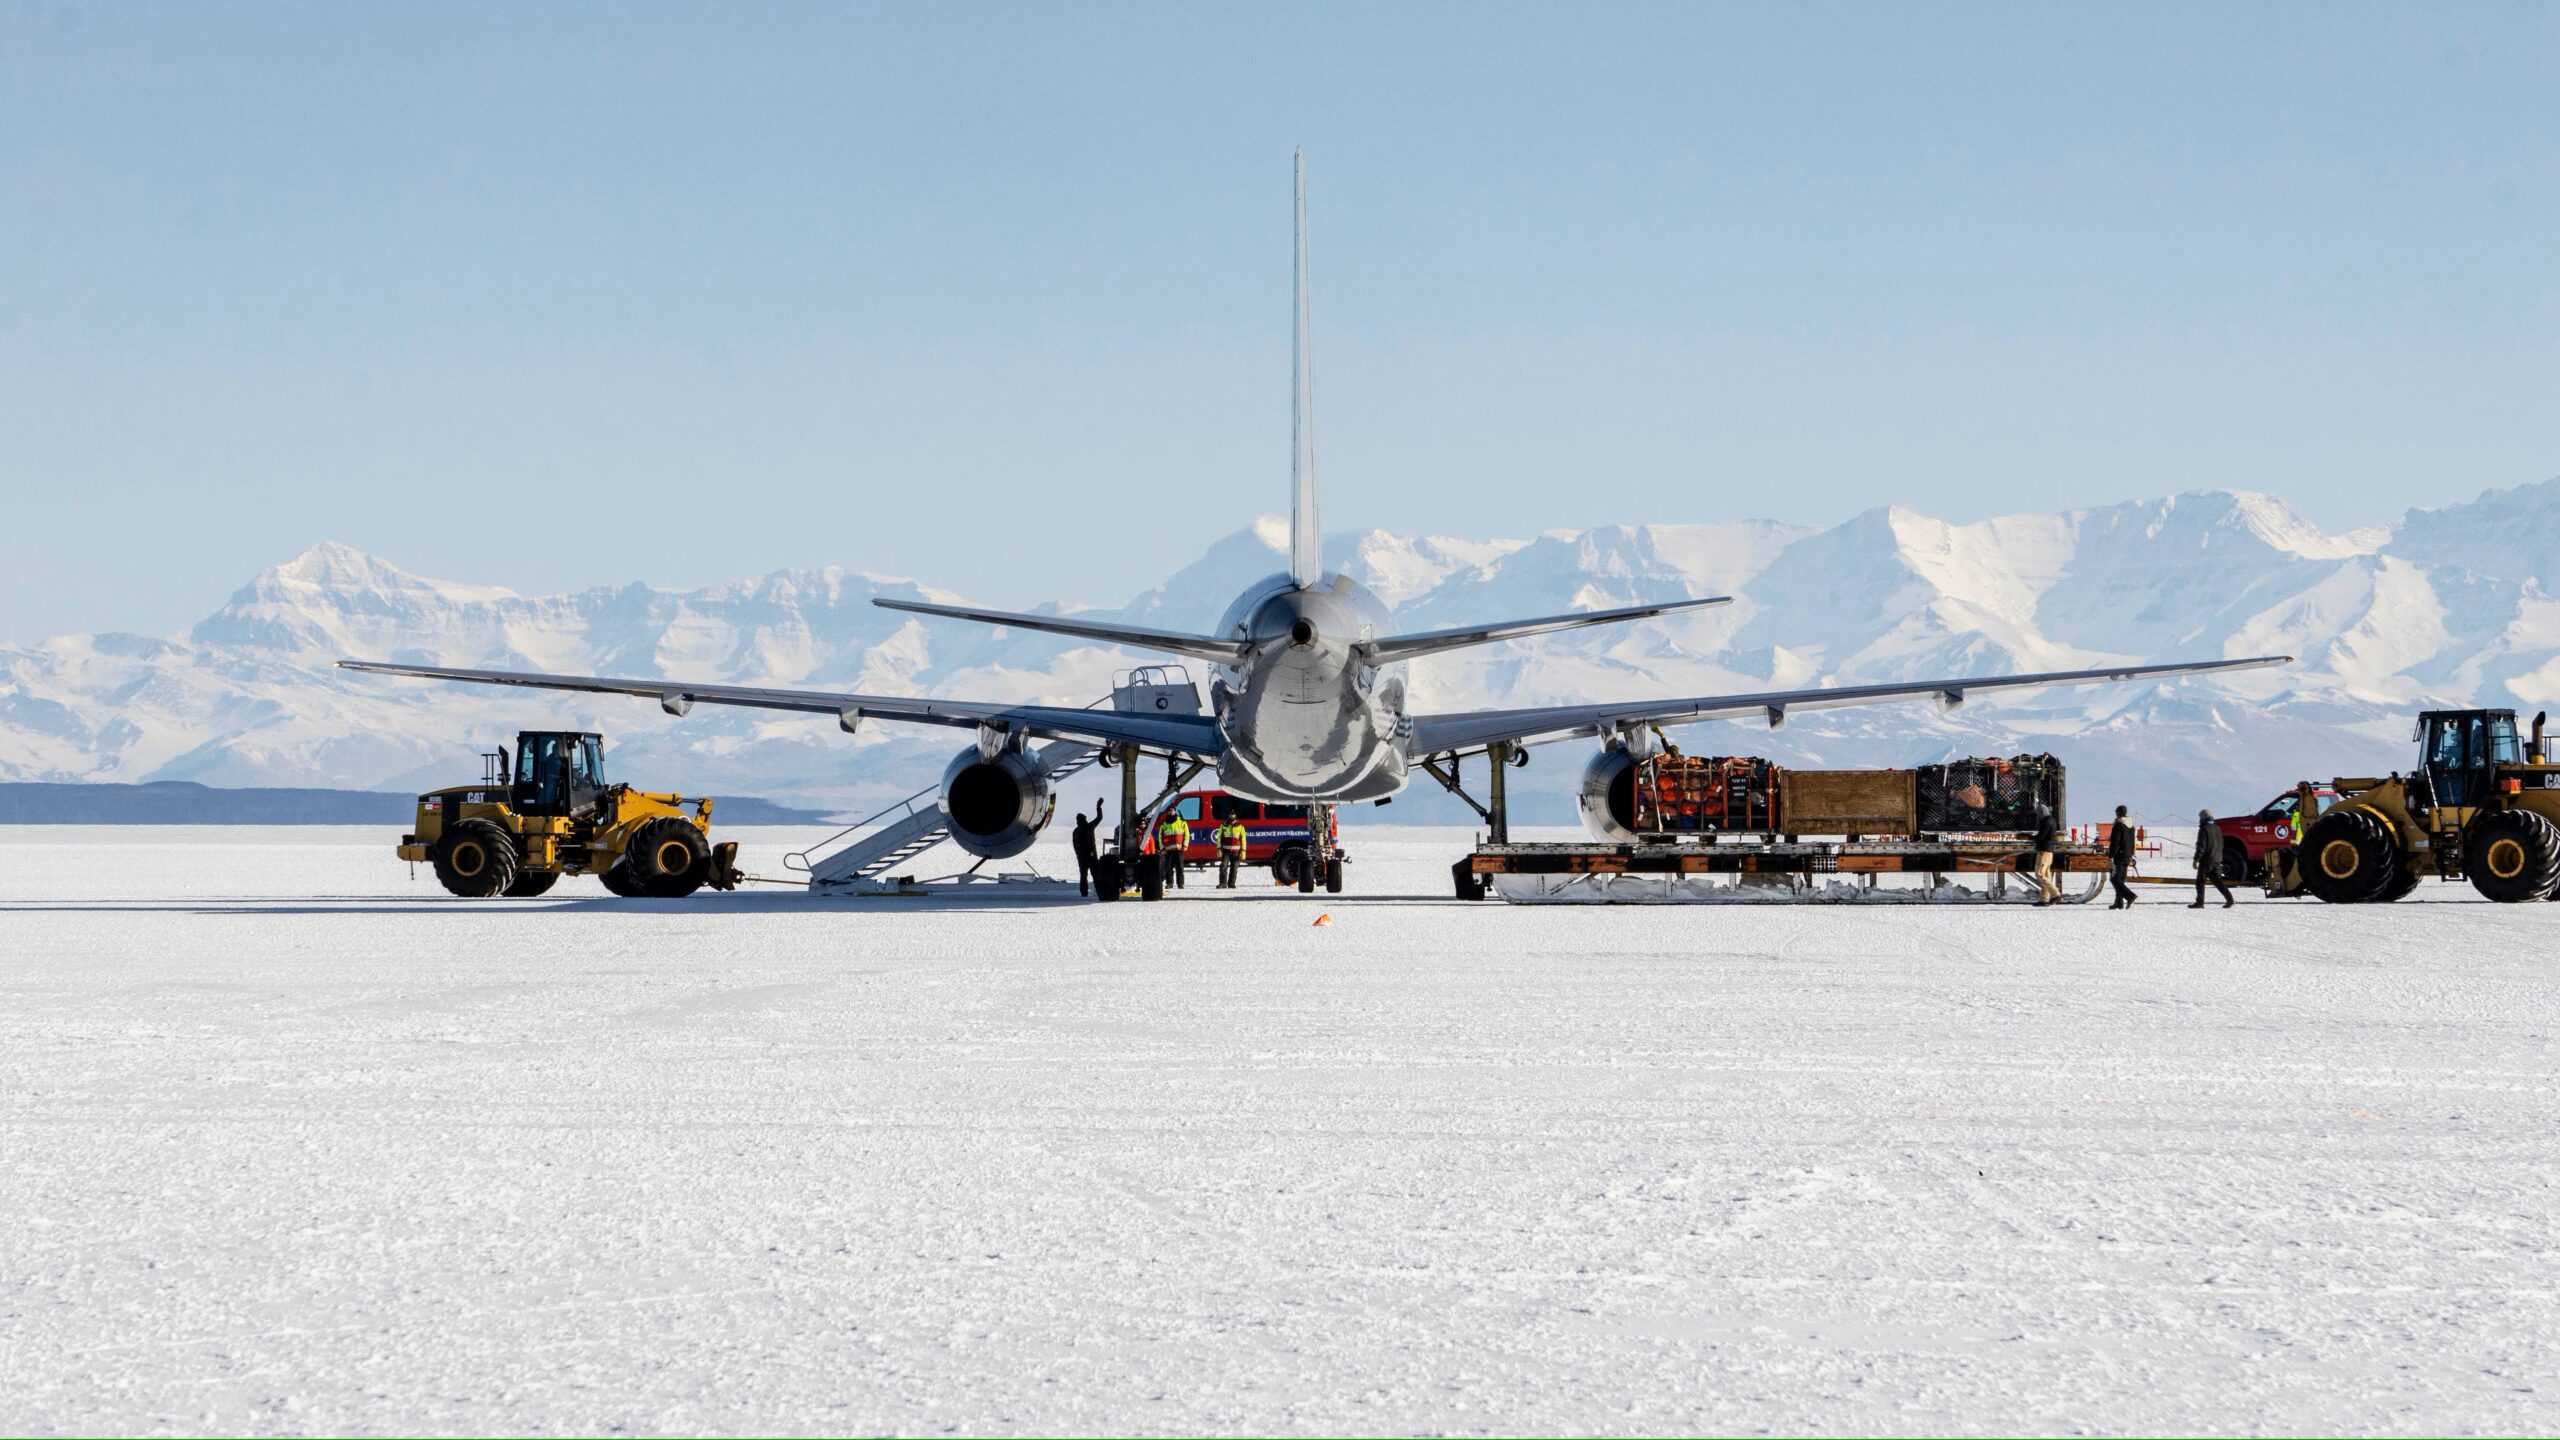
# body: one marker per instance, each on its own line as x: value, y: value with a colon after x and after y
x: 2120, y: 858
x: 2048, y: 892
x: 2209, y: 860
x: 1083, y: 840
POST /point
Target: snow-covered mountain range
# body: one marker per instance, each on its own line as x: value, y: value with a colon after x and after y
x: 2451, y: 605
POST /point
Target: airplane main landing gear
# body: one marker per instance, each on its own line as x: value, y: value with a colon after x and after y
x: 1323, y: 864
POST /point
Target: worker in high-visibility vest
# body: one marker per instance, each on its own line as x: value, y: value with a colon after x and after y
x: 1231, y: 839
x: 1173, y: 837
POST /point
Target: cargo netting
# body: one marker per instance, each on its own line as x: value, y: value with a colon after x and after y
x: 1963, y: 796
x: 1688, y: 794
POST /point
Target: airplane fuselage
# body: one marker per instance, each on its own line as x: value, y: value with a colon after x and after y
x: 1306, y: 715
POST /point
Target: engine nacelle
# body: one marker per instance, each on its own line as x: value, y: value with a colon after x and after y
x: 997, y: 807
x: 1608, y: 796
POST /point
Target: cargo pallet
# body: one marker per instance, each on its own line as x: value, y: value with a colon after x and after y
x: 1741, y: 870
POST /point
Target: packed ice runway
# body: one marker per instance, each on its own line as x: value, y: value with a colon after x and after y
x: 297, y: 1143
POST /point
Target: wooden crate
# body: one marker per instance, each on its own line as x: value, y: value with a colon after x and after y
x: 1849, y: 802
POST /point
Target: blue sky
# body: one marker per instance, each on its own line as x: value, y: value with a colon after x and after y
x: 998, y: 296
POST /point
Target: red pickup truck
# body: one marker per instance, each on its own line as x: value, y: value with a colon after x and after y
x: 2247, y: 840
x: 1275, y: 836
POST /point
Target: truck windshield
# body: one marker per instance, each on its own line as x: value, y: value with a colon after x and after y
x: 590, y: 762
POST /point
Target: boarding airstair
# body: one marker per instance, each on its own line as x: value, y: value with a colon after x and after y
x: 858, y: 859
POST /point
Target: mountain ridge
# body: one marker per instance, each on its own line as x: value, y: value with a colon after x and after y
x: 2449, y: 604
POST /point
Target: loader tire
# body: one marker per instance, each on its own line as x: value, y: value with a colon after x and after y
x: 530, y: 883
x: 670, y: 857
x: 2351, y: 856
x: 619, y: 879
x: 2512, y: 856
x: 2403, y: 882
x: 476, y: 860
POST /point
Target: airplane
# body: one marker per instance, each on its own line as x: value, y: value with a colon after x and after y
x: 1308, y: 703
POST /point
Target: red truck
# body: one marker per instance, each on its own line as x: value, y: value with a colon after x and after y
x: 2247, y: 840
x: 1275, y: 836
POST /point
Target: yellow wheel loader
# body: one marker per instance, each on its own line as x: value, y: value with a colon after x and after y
x: 2483, y: 805
x: 547, y: 812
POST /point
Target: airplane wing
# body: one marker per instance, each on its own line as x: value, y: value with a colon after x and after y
x: 1201, y: 647
x: 1425, y: 642
x: 1440, y: 734
x: 1186, y: 734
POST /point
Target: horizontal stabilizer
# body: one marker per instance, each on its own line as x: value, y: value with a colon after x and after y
x: 1405, y: 647
x: 1202, y: 647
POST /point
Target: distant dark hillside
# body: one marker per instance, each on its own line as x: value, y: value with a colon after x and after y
x: 183, y: 802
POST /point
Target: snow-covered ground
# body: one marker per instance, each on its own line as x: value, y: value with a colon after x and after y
x: 291, y: 1141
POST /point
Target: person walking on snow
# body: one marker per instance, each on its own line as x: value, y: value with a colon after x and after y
x: 2120, y: 859
x: 1083, y: 841
x: 2045, y: 887
x: 2209, y: 860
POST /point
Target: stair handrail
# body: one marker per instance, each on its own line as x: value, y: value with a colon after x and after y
x: 888, y: 815
x: 907, y: 808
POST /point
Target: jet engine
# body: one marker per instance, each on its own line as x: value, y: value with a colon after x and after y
x: 1608, y: 795
x: 996, y: 807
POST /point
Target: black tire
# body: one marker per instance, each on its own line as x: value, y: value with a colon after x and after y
x: 2512, y: 856
x: 622, y: 882
x: 476, y: 859
x: 1289, y: 866
x: 1107, y: 878
x: 2402, y: 883
x: 530, y: 883
x: 2352, y: 857
x: 1150, y: 878
x: 2236, y: 869
x: 669, y: 856
x: 1333, y: 876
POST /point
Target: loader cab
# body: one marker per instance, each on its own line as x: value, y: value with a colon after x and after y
x: 2460, y: 751
x: 557, y: 772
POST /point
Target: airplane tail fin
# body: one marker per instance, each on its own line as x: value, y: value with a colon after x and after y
x: 1306, y: 538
